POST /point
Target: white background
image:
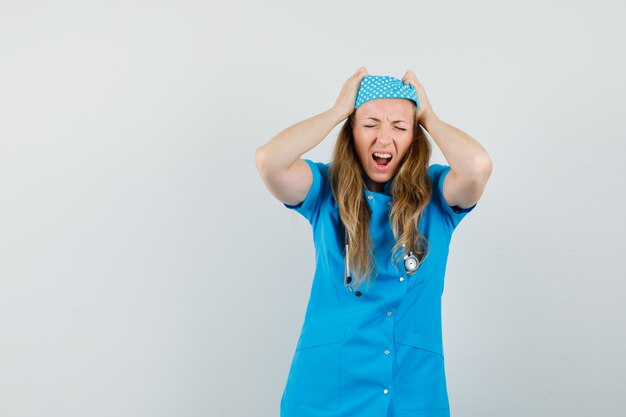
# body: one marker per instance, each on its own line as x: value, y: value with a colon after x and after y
x: 145, y: 270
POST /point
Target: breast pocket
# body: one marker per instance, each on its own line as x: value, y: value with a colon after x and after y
x: 420, y: 377
x: 316, y: 370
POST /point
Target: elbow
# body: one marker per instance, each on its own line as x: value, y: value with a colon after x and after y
x: 268, y: 162
x: 259, y: 158
x: 483, y: 166
x: 487, y: 166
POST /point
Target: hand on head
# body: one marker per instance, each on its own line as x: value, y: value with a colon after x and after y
x: 424, y: 106
x: 347, y: 96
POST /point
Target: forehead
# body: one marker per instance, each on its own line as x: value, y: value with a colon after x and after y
x: 383, y: 108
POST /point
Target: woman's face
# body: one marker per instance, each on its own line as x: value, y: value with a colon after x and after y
x: 383, y: 126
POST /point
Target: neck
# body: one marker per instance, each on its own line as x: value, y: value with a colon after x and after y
x: 375, y: 186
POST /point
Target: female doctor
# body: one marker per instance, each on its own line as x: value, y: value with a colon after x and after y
x: 382, y: 219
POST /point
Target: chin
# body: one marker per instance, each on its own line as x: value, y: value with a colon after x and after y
x: 379, y: 178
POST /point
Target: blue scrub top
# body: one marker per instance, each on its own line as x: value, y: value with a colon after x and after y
x: 380, y: 354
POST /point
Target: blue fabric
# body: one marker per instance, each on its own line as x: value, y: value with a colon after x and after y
x: 351, y: 349
x: 383, y: 86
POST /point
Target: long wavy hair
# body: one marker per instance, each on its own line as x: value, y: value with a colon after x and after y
x: 410, y: 190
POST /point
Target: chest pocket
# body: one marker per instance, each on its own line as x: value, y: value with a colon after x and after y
x: 315, y: 373
x: 420, y: 378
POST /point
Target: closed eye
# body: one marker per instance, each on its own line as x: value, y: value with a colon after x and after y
x: 399, y: 128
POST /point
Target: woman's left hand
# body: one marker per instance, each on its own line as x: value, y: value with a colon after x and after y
x: 424, y: 108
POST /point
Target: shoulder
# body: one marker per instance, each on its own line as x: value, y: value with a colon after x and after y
x: 318, y: 193
x: 320, y: 171
x: 435, y: 170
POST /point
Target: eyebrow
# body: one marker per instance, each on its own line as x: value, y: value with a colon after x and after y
x: 393, y: 121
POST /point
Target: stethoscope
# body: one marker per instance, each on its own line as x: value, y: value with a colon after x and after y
x: 411, y: 263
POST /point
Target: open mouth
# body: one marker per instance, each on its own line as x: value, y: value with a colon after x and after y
x: 381, y: 159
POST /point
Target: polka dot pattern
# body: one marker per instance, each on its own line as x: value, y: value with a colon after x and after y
x: 383, y: 86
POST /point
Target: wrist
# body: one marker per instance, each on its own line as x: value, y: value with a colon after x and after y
x: 427, y: 117
x: 339, y: 114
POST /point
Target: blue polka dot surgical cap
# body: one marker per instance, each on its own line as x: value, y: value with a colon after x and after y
x: 383, y: 86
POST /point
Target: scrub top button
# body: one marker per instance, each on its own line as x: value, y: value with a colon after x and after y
x: 369, y: 197
x: 386, y: 391
x: 389, y: 313
x: 386, y: 351
x: 401, y: 279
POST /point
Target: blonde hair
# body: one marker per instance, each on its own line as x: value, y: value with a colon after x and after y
x: 410, y: 190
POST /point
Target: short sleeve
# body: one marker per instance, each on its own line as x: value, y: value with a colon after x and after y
x: 310, y: 206
x: 452, y: 214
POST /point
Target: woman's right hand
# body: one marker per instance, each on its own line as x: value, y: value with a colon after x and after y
x: 347, y: 97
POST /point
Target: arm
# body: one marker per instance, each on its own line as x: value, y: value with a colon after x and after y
x: 284, y: 149
x: 470, y: 165
x: 279, y: 162
x: 285, y: 174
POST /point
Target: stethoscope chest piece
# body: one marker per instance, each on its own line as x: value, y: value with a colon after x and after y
x: 411, y: 263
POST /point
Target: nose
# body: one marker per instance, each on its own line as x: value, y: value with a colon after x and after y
x: 385, y: 134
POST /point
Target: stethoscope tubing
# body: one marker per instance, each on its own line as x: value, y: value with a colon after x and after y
x: 411, y: 264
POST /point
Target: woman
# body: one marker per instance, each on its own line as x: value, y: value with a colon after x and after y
x: 374, y: 349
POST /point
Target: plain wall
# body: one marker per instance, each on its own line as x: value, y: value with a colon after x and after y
x: 145, y: 270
